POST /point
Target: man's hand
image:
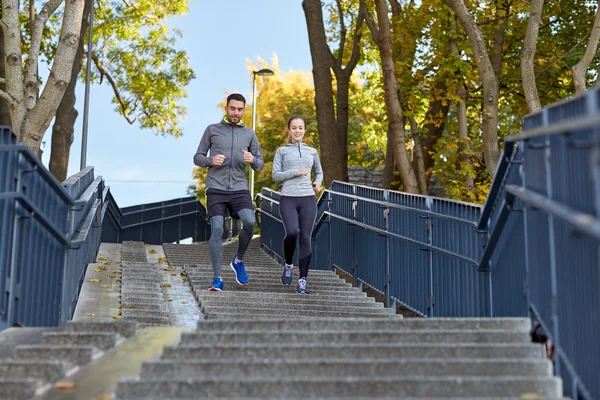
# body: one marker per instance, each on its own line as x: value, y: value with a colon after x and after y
x: 316, y: 187
x: 303, y: 171
x: 218, y: 160
x: 248, y: 157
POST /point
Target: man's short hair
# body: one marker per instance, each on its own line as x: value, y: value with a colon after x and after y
x: 237, y: 97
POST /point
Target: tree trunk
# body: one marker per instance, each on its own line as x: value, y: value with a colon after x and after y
x: 580, y: 70
x: 498, y: 41
x: 463, y: 135
x: 528, y: 54
x: 435, y: 123
x: 4, y: 111
x: 66, y: 115
x: 489, y: 124
x: 392, y: 102
x: 332, y: 116
x: 389, y: 164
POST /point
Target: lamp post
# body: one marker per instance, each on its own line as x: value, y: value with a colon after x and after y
x: 86, y: 103
x: 262, y: 72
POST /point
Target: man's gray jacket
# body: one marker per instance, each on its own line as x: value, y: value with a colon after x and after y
x: 228, y: 139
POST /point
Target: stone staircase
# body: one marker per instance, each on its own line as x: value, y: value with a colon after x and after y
x: 263, y: 341
x: 33, y: 368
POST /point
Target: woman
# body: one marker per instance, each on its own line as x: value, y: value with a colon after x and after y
x: 292, y: 165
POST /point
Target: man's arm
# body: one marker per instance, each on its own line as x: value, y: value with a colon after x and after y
x: 200, y: 158
x: 258, y: 162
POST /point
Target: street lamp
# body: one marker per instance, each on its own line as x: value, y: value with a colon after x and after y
x: 262, y: 72
x: 86, y: 101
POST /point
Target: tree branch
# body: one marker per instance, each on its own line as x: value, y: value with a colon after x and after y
x: 371, y: 23
x: 8, y: 98
x: 528, y: 54
x: 115, y: 87
x: 355, y: 57
x: 135, y: 7
x: 31, y: 82
x: 343, y: 34
x: 579, y: 70
x: 13, y: 61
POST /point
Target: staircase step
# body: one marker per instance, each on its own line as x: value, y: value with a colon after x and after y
x: 302, y: 310
x: 241, y: 314
x: 123, y: 328
x: 274, y: 269
x: 141, y: 298
x: 148, y: 320
x: 41, y: 370
x: 17, y: 389
x: 78, y: 355
x: 278, y: 288
x: 312, y: 387
x: 270, y: 274
x: 358, y: 324
x: 100, y: 340
x: 291, y: 351
x: 291, y: 301
x: 366, y: 337
x: 201, y: 294
x: 367, y: 367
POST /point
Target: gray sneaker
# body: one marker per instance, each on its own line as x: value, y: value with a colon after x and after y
x: 301, y: 289
x: 288, y: 272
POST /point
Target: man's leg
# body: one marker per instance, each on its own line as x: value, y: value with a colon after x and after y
x: 216, y: 244
x: 246, y: 215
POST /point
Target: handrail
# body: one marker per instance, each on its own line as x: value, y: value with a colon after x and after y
x: 559, y: 128
x: 582, y: 222
x: 141, y: 210
x: 395, y: 235
x: 44, y: 173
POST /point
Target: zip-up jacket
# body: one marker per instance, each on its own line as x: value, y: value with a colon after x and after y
x: 228, y: 139
x: 288, y: 160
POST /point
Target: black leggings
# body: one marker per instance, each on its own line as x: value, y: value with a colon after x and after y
x: 298, y: 214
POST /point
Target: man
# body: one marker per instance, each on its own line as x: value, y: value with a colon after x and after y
x: 231, y: 146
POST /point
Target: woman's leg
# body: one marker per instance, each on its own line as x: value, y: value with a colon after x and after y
x: 308, y: 214
x: 289, y: 216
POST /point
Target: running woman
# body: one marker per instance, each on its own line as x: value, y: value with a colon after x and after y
x: 292, y: 165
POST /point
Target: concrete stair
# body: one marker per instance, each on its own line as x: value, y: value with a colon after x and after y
x: 36, y: 366
x: 349, y: 358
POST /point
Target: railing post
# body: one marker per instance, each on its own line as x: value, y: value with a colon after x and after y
x: 388, y: 276
x: 329, y: 251
x: 552, y: 249
x: 429, y: 229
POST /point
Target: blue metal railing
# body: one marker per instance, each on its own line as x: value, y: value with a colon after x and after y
x: 532, y: 250
x: 50, y: 232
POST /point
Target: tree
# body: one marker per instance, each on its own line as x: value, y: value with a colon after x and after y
x: 489, y: 76
x: 381, y: 33
x: 528, y: 55
x: 31, y: 111
x: 581, y: 68
x: 332, y: 107
x: 135, y: 53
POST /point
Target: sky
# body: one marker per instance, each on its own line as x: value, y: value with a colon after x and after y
x: 219, y: 37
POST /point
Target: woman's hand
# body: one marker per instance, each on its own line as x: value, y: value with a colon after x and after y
x: 316, y: 187
x: 303, y: 171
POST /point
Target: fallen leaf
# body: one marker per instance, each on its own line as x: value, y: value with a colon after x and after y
x: 118, y: 318
x: 95, y: 280
x: 64, y: 385
x: 112, y: 276
x: 131, y: 307
x: 104, y: 286
x: 185, y: 279
x: 531, y: 396
x: 173, y: 274
x: 169, y: 269
x: 162, y: 260
x: 147, y: 245
x: 166, y: 285
x: 102, y: 259
x: 105, y: 396
x: 184, y: 302
x: 118, y: 262
x: 100, y: 269
x: 89, y: 315
x: 152, y: 251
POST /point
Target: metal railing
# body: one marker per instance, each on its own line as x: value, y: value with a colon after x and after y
x: 532, y: 250
x: 49, y: 232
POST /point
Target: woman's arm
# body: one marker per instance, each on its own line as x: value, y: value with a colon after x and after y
x: 278, y: 173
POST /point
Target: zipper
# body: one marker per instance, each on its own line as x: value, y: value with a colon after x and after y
x: 299, y: 152
x: 231, y: 161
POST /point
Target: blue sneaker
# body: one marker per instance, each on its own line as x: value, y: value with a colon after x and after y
x: 240, y: 272
x: 217, y: 285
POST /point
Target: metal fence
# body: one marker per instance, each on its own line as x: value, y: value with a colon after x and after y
x: 50, y: 232
x: 531, y: 250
